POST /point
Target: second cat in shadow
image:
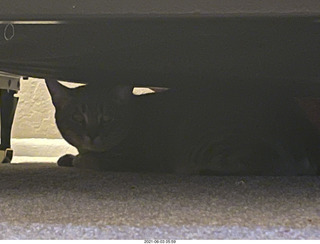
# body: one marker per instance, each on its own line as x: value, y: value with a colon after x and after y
x: 225, y: 129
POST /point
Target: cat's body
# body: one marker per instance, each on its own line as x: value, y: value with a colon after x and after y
x: 221, y: 130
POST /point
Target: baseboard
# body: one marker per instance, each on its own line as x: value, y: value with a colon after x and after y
x: 39, y: 149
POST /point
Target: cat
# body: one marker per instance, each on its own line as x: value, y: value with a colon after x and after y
x: 216, y: 130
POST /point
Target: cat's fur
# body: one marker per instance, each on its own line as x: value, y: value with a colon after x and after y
x: 220, y: 130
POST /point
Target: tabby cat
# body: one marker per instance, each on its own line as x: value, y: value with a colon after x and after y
x: 221, y: 130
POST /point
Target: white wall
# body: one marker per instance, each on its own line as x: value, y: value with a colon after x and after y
x: 34, y: 116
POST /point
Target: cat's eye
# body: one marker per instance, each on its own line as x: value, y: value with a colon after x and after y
x: 78, y: 118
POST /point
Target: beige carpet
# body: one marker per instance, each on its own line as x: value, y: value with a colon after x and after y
x: 43, y: 201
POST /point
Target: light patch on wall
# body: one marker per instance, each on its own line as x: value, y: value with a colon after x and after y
x: 146, y: 90
x: 141, y: 91
x: 71, y: 84
x: 136, y: 90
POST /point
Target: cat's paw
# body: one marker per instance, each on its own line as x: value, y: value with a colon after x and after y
x: 97, y: 162
x: 88, y: 161
x: 66, y: 160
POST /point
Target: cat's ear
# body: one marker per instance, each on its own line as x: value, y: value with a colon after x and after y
x: 59, y: 93
x: 122, y: 93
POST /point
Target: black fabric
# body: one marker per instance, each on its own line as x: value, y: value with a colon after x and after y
x: 171, y: 51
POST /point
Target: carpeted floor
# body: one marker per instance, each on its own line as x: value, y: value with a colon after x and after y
x: 43, y: 201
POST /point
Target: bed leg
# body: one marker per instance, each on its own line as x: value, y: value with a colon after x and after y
x: 8, y: 104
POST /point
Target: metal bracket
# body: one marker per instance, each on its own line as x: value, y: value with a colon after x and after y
x: 9, y: 81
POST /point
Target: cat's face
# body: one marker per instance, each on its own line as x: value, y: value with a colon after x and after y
x: 92, y: 120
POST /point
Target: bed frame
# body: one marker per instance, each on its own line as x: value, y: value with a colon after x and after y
x: 158, y: 44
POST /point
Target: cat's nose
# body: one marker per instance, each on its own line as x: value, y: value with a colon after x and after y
x: 89, y: 140
x: 92, y: 135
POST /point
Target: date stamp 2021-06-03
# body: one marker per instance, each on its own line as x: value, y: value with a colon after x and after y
x: 156, y: 241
